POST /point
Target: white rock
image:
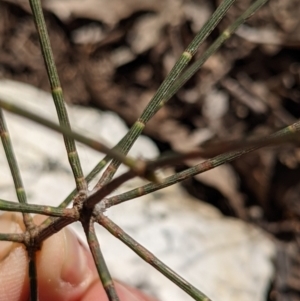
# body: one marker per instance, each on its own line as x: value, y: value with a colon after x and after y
x: 225, y: 258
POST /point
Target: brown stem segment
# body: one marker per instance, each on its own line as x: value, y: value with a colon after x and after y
x: 288, y: 134
x: 99, y: 261
x: 150, y: 258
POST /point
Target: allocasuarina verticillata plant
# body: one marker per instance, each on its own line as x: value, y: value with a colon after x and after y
x: 88, y: 206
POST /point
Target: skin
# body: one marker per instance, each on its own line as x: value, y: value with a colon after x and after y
x: 65, y: 268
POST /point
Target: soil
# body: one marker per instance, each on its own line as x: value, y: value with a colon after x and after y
x: 115, y: 58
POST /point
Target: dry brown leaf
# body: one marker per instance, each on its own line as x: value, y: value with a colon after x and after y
x: 109, y: 12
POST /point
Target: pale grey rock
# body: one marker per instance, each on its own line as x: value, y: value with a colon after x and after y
x: 226, y: 258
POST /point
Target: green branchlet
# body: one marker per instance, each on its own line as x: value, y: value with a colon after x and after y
x: 84, y: 202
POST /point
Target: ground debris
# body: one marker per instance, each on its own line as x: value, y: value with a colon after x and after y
x: 115, y: 58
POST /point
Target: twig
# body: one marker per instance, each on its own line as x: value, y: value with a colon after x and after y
x: 14, y: 169
x: 150, y: 258
x: 57, y: 93
x: 100, y: 262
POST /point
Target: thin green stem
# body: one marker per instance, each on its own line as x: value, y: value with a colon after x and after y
x: 175, y: 87
x: 101, y: 266
x: 150, y: 258
x: 289, y: 134
x: 192, y: 47
x: 40, y: 209
x: 14, y: 169
x: 227, y: 33
x: 176, y: 178
x: 158, y: 99
x: 15, y: 237
x: 138, y: 166
x: 285, y: 135
x: 57, y: 92
x: 239, y: 146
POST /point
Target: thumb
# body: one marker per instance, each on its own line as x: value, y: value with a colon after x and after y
x: 65, y: 268
x: 13, y: 261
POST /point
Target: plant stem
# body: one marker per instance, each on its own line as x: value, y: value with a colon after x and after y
x: 178, y: 177
x: 95, y: 197
x: 138, y: 166
x: 100, y: 194
x: 150, y: 258
x: 100, y: 262
x: 45, y: 231
x: 88, y: 178
x: 57, y: 93
x: 158, y: 99
x: 183, y: 79
x: 14, y: 169
x: 284, y: 135
x: 40, y: 209
x: 227, y: 33
x: 15, y: 237
x: 33, y: 282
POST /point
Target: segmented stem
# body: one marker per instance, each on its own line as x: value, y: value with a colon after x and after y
x: 100, y: 262
x: 150, y: 258
x: 284, y: 135
x: 57, y: 93
x: 14, y: 169
x: 40, y: 209
x: 174, y: 88
x: 137, y: 166
x: 226, y: 34
x: 158, y: 99
x: 66, y: 216
x: 15, y: 237
x: 57, y: 224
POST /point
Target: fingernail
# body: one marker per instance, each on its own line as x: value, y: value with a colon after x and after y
x: 75, y: 264
x: 9, y: 223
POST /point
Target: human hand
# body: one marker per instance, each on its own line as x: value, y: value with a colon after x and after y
x: 65, y: 269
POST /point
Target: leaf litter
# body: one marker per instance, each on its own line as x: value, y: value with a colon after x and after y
x: 115, y: 58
